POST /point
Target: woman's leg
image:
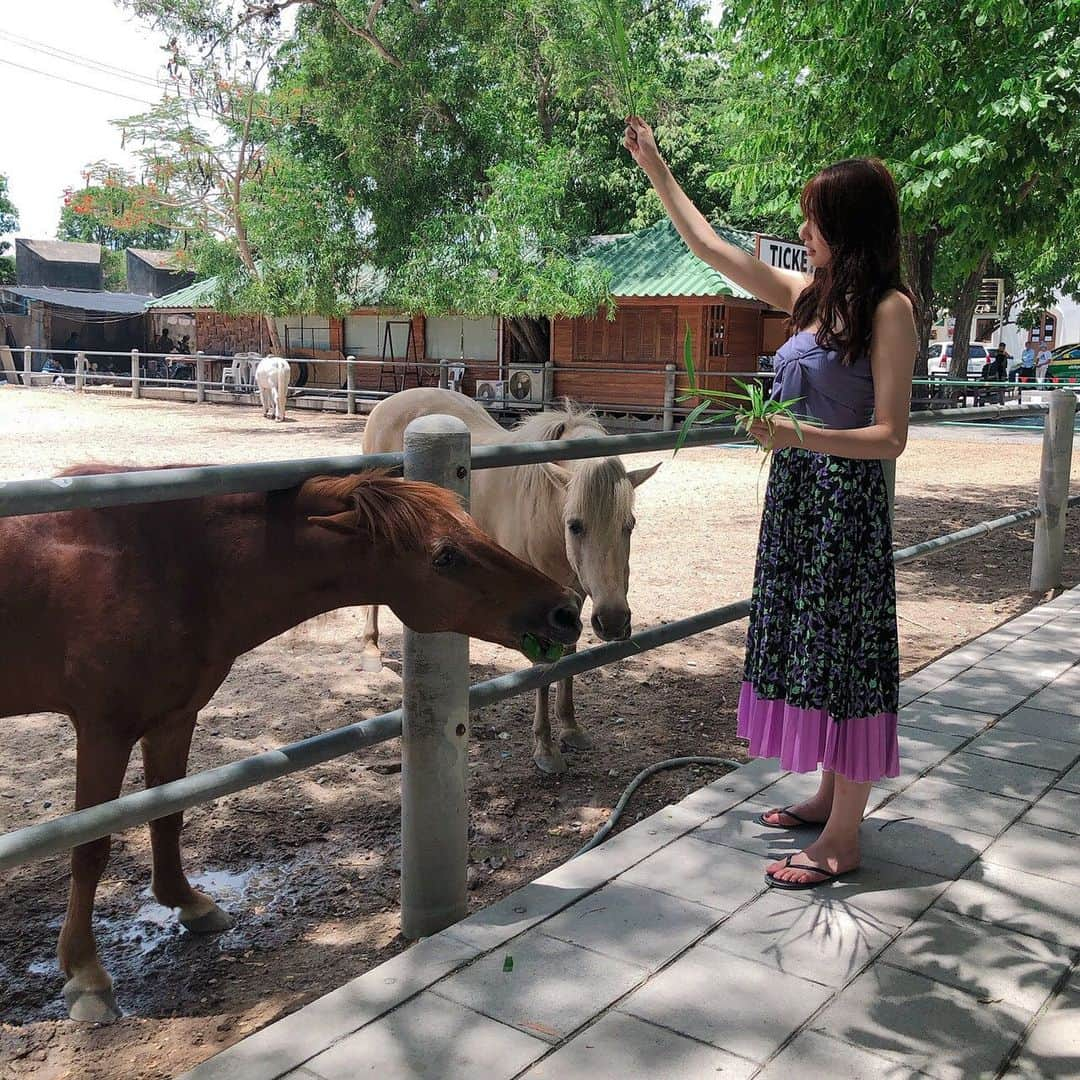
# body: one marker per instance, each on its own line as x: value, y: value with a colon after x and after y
x: 816, y: 808
x: 836, y: 850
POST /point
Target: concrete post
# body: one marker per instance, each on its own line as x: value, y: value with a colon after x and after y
x: 888, y: 467
x: 669, y: 397
x: 28, y: 366
x: 435, y: 723
x: 80, y: 371
x: 350, y: 385
x: 1049, y: 549
x: 444, y: 373
x: 200, y: 377
x: 136, y: 382
x: 549, y: 383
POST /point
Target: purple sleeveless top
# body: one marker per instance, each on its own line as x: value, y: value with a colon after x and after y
x: 836, y: 395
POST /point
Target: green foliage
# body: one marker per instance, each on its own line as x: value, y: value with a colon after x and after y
x: 9, y: 216
x: 7, y: 270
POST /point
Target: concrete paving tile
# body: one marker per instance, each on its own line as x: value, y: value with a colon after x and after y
x: 946, y: 851
x: 994, y: 775
x: 981, y: 690
x: 989, y: 962
x: 881, y: 893
x: 611, y: 858
x: 716, y: 798
x: 922, y: 1024
x: 710, y: 874
x: 1071, y: 780
x: 788, y: 790
x: 920, y: 750
x: 951, y: 721
x: 1049, y: 725
x: 430, y: 1039
x: 927, y: 679
x: 619, y: 1046
x: 817, y: 941
x: 1062, y: 695
x: 1045, y: 852
x: 732, y: 1003
x: 551, y: 989
x: 739, y: 828
x: 1053, y: 1047
x: 1026, y: 903
x: 632, y: 923
x: 1057, y: 809
x: 512, y: 915
x: 1024, y: 748
x: 812, y: 1056
x: 289, y: 1042
x: 949, y: 804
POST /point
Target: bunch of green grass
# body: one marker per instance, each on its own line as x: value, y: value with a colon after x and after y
x: 609, y: 16
x: 747, y: 406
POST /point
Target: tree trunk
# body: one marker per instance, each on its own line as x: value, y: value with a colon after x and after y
x: 918, y: 251
x: 963, y: 309
x: 532, y: 336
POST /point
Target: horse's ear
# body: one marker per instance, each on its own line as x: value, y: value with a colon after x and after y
x: 637, y: 477
x: 560, y: 473
x: 558, y: 431
x: 341, y: 523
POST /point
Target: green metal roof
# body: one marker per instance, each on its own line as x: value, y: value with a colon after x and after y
x: 368, y: 289
x: 657, y: 262
x: 200, y: 294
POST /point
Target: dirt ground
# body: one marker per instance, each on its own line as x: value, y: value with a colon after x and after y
x: 309, y: 864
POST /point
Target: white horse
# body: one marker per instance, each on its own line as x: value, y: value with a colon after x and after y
x: 272, y: 380
x: 570, y: 519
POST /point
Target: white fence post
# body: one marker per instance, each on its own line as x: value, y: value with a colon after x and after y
x: 435, y: 723
x: 350, y: 385
x: 1048, y: 551
x: 444, y: 373
x: 200, y: 377
x: 549, y: 383
x: 136, y: 384
x: 80, y: 371
x: 669, y: 397
x: 28, y: 365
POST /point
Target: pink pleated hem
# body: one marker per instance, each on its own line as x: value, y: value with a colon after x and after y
x: 863, y: 749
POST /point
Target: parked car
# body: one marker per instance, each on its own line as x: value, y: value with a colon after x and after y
x: 1064, y: 364
x: 939, y: 357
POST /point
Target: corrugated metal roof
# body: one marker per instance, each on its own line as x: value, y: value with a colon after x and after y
x: 199, y: 294
x: 106, y: 303
x: 656, y: 262
x: 64, y: 250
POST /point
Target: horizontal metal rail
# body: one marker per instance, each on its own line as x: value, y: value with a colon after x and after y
x: 45, y: 496
x: 50, y: 837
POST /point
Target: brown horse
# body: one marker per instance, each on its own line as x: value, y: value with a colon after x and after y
x: 95, y: 593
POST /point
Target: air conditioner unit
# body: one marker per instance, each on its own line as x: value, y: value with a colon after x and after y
x: 491, y: 392
x: 526, y: 385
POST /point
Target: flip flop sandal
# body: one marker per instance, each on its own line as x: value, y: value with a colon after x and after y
x: 794, y: 886
x: 801, y: 822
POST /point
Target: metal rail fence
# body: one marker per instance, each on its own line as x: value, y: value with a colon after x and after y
x: 433, y: 719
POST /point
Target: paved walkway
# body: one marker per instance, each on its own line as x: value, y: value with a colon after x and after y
x: 661, y: 954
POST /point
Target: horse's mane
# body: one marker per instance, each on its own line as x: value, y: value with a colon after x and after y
x: 399, y: 511
x: 594, y: 490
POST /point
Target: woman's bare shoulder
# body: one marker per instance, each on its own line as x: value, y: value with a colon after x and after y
x: 894, y: 305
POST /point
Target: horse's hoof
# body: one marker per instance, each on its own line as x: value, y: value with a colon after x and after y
x: 553, y: 764
x: 371, y: 662
x: 91, y: 1006
x: 214, y: 921
x: 575, y: 739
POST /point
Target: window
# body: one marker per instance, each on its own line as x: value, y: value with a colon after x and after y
x: 714, y: 330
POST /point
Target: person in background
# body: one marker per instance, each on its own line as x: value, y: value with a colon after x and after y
x: 1027, y: 364
x: 1042, y: 363
x: 184, y: 348
x: 165, y: 342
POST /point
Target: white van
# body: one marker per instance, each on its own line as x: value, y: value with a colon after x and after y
x: 939, y: 357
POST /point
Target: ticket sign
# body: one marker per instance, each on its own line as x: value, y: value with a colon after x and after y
x: 781, y: 254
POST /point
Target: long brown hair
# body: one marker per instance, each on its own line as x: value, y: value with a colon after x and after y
x: 855, y: 207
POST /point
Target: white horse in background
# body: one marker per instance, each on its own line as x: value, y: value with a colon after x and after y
x: 570, y: 519
x: 272, y: 381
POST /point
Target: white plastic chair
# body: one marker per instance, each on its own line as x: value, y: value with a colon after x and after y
x: 455, y: 376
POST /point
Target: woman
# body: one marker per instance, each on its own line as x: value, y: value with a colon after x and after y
x: 822, y: 665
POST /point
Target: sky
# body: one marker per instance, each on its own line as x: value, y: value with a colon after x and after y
x: 52, y: 128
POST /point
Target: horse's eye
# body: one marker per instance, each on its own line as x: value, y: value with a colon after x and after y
x: 445, y: 558
x: 576, y: 527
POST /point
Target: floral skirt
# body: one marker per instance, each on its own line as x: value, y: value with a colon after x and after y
x: 822, y: 674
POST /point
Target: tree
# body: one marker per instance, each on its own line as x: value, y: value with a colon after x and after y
x: 9, y: 222
x: 972, y: 104
x: 463, y: 147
